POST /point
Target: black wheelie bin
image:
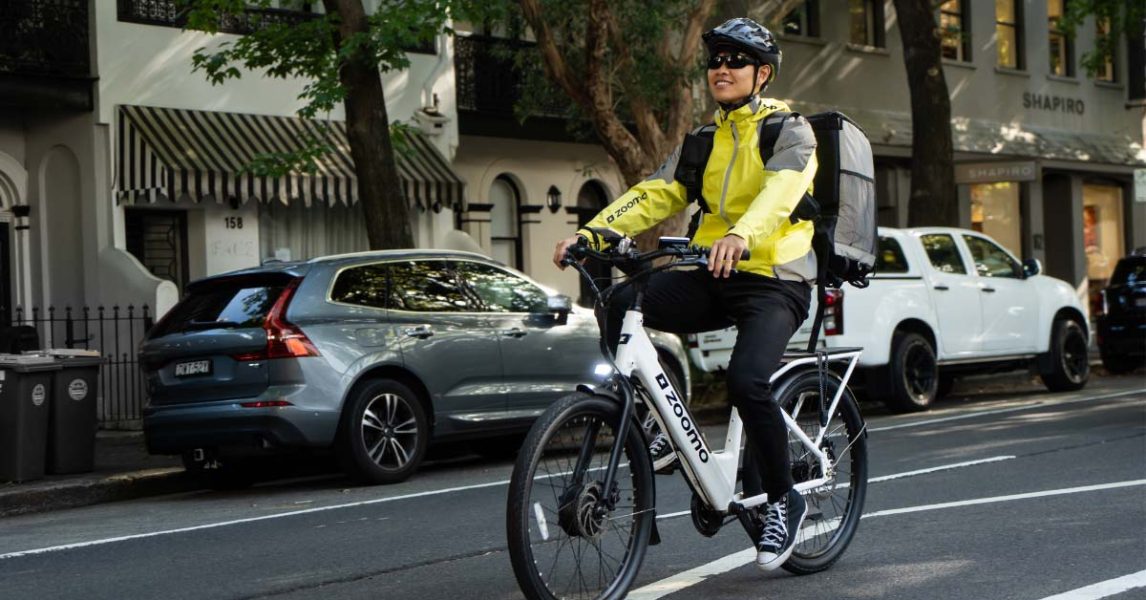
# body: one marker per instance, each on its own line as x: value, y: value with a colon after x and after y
x: 25, y: 393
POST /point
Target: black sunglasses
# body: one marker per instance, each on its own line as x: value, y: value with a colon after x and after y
x: 734, y: 61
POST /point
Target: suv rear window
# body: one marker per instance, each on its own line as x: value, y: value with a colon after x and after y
x: 1130, y: 270
x: 230, y: 303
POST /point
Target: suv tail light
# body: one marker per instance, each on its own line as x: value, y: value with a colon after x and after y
x: 833, y: 312
x: 284, y: 340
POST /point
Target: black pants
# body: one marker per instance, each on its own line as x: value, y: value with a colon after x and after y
x: 766, y: 312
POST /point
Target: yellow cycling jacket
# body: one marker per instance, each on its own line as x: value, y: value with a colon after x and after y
x: 747, y: 198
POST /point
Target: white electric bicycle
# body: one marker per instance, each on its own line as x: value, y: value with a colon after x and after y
x: 581, y: 511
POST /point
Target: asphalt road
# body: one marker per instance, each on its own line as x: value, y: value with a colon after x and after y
x: 1022, y: 496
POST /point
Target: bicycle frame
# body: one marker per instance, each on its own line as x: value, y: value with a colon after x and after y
x: 713, y: 472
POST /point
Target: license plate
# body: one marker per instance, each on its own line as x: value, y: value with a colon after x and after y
x: 192, y: 368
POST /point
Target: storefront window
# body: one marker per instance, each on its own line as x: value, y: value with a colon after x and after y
x: 995, y: 211
x: 1102, y: 234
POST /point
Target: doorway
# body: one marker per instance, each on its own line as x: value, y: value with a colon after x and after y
x: 158, y: 238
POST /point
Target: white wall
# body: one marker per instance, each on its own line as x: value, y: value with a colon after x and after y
x: 535, y: 166
x: 150, y: 65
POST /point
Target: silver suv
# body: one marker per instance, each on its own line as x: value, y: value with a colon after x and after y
x: 372, y: 354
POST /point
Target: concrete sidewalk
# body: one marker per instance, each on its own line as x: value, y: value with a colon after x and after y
x: 123, y: 470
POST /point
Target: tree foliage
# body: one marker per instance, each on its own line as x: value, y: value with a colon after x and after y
x: 1113, y: 18
x: 338, y: 53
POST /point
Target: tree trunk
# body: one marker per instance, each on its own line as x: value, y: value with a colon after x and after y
x: 384, y: 205
x: 934, y: 200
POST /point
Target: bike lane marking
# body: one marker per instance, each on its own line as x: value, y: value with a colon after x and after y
x: 1050, y: 403
x: 1103, y: 589
x: 681, y: 581
x: 317, y: 509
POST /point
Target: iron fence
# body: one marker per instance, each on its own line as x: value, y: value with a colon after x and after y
x: 115, y: 332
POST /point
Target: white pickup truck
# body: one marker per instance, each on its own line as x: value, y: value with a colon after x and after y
x: 943, y: 302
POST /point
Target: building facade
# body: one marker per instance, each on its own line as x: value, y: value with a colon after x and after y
x: 1045, y: 154
x: 121, y: 169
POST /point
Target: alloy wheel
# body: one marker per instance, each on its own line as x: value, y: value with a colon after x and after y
x: 389, y: 431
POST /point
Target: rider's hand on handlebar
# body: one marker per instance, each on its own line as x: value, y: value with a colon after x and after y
x: 562, y: 248
x: 725, y: 255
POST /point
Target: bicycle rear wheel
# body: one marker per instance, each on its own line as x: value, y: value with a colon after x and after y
x: 562, y: 544
x: 834, y: 509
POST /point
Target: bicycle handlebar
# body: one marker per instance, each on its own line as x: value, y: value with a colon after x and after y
x: 623, y: 252
x: 637, y: 265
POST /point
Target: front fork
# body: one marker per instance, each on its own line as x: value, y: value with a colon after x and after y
x: 626, y: 396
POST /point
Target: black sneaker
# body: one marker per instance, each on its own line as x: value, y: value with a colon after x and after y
x: 663, y: 455
x: 782, y: 520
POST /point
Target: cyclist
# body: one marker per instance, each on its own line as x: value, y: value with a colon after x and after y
x: 766, y: 296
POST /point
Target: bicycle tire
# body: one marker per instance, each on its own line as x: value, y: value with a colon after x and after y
x: 609, y: 548
x: 834, y: 510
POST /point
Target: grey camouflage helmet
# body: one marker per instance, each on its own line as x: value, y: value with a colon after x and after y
x: 749, y: 37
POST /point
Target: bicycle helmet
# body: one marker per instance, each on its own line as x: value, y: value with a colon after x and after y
x: 747, y: 36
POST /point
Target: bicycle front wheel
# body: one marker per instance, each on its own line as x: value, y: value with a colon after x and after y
x: 835, y: 508
x: 563, y: 542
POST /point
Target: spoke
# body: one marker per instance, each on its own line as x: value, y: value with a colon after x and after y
x: 369, y: 419
x: 391, y: 408
x: 379, y: 451
x: 400, y: 453
x: 411, y: 423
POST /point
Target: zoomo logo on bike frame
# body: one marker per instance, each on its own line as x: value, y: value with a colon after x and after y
x: 685, y: 422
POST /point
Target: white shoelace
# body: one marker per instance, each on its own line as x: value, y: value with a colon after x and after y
x: 659, y: 444
x: 775, y: 524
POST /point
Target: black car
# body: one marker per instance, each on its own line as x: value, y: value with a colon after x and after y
x: 1122, y: 322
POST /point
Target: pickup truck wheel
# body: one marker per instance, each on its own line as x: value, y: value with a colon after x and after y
x: 1068, y: 358
x: 912, y: 375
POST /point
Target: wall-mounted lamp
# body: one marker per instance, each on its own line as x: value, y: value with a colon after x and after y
x: 553, y: 199
x: 21, y: 211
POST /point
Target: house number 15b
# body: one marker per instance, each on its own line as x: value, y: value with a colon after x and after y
x: 233, y: 222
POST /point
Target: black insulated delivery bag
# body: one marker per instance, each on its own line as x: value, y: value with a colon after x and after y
x: 845, y: 239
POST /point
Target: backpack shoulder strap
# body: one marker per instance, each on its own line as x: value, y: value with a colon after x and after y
x: 770, y: 129
x: 694, y: 152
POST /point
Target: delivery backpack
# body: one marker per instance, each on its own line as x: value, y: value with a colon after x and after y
x: 843, y: 208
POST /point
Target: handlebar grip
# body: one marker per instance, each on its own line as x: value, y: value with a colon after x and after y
x: 745, y: 255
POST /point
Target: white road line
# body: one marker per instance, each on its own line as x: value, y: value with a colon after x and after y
x: 891, y: 477
x: 1103, y: 589
x: 248, y: 520
x: 691, y: 577
x: 970, y: 463
x: 981, y: 413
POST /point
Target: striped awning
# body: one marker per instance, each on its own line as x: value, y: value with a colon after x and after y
x: 174, y: 154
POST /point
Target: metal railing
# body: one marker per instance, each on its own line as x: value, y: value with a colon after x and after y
x: 490, y: 81
x: 171, y: 13
x: 45, y: 37
x: 115, y: 332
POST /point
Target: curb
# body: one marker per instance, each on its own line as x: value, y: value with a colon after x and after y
x: 95, y: 490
